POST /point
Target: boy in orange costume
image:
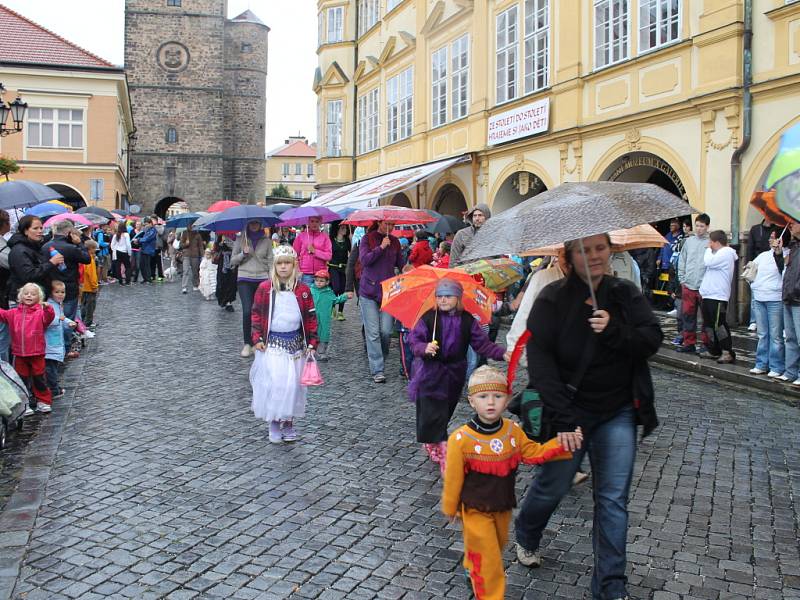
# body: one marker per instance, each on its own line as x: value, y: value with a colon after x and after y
x: 482, y: 461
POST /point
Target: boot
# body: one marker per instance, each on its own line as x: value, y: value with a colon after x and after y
x: 727, y: 358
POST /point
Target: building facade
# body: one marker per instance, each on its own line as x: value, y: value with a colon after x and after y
x: 198, y: 90
x: 534, y: 93
x: 77, y: 126
x: 292, y: 165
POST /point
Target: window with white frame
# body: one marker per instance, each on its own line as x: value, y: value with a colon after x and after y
x: 439, y: 91
x: 659, y: 23
x: 335, y: 24
x: 285, y: 169
x: 298, y: 168
x: 611, y: 22
x: 391, y: 4
x: 367, y: 15
x: 333, y: 128
x: 310, y: 169
x: 537, y: 45
x: 507, y: 50
x: 320, y: 28
x: 368, y: 121
x: 55, y: 127
x: 400, y: 103
x: 459, y: 76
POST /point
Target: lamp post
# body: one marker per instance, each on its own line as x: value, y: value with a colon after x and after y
x: 17, y: 110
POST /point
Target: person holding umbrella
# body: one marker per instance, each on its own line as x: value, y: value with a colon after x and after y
x: 192, y: 248
x: 252, y: 255
x: 590, y: 368
x: 313, y: 249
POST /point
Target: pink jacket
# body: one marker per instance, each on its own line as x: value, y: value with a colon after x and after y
x: 311, y: 263
x: 27, y: 325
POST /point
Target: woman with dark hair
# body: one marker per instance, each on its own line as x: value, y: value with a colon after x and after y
x: 121, y: 254
x: 340, y: 244
x: 590, y: 369
x: 26, y: 261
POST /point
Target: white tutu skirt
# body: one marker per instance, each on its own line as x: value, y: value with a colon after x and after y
x: 275, y: 377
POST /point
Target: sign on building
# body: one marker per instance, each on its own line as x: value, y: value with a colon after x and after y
x: 520, y: 122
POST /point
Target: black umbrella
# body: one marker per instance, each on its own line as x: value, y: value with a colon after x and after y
x: 22, y: 193
x: 446, y: 224
x: 96, y: 210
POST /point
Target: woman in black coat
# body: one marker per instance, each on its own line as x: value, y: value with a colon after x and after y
x: 226, y: 273
x: 26, y: 261
x: 590, y: 369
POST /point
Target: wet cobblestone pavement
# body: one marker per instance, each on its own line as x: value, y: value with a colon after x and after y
x: 152, y: 480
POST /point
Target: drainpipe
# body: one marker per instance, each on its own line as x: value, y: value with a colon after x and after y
x: 747, y: 119
x: 355, y: 96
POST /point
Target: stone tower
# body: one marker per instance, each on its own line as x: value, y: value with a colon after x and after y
x: 197, y: 84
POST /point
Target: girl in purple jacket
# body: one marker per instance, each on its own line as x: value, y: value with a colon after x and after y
x: 439, y: 342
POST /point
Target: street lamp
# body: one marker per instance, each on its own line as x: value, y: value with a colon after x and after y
x: 17, y: 110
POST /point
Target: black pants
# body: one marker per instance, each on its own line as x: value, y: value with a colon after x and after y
x: 337, y: 282
x: 88, y: 304
x: 51, y: 372
x: 123, y: 260
x: 433, y: 417
x: 144, y: 266
x: 156, y: 266
x: 247, y: 291
x: 715, y: 322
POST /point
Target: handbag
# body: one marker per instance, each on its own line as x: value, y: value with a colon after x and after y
x: 750, y: 271
x: 311, y: 375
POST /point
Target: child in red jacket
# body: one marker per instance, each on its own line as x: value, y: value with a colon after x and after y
x: 421, y: 252
x: 27, y: 323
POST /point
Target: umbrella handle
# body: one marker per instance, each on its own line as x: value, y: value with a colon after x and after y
x: 586, y: 266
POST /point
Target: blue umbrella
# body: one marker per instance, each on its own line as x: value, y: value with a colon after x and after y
x: 237, y: 218
x: 345, y: 212
x: 281, y: 208
x: 22, y: 193
x: 182, y: 220
x: 46, y: 210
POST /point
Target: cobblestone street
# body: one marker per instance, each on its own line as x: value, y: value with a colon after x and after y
x: 153, y: 480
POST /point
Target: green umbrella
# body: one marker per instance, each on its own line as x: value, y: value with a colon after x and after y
x: 784, y: 174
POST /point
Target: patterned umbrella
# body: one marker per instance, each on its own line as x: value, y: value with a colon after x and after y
x: 301, y: 215
x: 571, y: 211
x: 396, y: 214
x: 498, y: 273
x: 635, y: 238
x: 784, y: 174
x: 409, y: 296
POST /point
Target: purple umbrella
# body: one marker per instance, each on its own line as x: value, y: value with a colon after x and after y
x: 301, y: 215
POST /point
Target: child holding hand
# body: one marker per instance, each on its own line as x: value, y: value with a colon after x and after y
x: 324, y: 301
x: 482, y: 461
x: 26, y: 323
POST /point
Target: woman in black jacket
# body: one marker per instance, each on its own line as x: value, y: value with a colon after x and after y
x: 26, y: 261
x: 337, y: 266
x: 590, y: 368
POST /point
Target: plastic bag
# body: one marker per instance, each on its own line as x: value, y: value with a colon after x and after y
x: 311, y: 374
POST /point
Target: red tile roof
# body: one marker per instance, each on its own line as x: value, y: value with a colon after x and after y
x: 295, y: 148
x: 23, y: 41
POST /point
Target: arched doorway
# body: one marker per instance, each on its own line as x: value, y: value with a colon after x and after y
x: 170, y: 206
x: 400, y: 199
x: 644, y: 167
x: 71, y: 196
x: 450, y: 201
x: 517, y: 188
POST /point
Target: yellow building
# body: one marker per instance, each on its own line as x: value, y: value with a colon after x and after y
x: 78, y: 124
x: 292, y: 165
x: 533, y: 93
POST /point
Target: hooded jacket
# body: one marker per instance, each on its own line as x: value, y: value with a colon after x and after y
x: 691, y: 265
x: 27, y: 325
x: 464, y: 236
x: 311, y: 263
x: 26, y: 263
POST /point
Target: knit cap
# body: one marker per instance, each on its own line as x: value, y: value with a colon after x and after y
x: 449, y: 287
x: 487, y: 379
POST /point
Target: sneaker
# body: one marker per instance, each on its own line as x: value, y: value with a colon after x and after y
x: 783, y: 378
x: 28, y: 412
x: 59, y: 394
x: 678, y: 341
x: 757, y: 371
x: 379, y: 378
x: 528, y: 558
x: 579, y: 478
x: 672, y: 313
x: 196, y: 289
x: 229, y: 307
x: 687, y: 349
x: 247, y: 350
x: 159, y: 279
x: 773, y: 374
x: 796, y: 382
x: 184, y: 291
x: 322, y: 357
x: 275, y: 432
x: 752, y: 327
x: 43, y: 408
x: 340, y: 317
x: 288, y: 432
x: 727, y: 358
x: 706, y: 354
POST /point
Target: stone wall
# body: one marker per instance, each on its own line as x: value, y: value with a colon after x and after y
x: 194, y: 179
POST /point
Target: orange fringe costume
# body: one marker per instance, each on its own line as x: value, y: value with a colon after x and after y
x: 479, y: 482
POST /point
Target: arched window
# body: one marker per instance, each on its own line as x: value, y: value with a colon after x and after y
x: 172, y: 135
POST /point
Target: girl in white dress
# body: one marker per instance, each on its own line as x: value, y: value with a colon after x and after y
x: 284, y: 329
x: 208, y: 275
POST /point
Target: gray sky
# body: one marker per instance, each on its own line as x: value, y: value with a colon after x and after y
x: 97, y: 26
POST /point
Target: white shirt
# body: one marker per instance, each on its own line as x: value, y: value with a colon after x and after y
x: 120, y: 244
x: 768, y: 284
x: 716, y: 284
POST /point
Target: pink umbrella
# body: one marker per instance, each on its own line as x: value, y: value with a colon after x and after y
x: 221, y: 205
x: 74, y: 217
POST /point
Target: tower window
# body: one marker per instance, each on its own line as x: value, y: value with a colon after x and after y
x: 173, y: 2
x: 172, y: 135
x: 247, y: 48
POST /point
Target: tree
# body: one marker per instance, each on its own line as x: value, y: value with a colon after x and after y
x: 8, y: 166
x: 280, y: 191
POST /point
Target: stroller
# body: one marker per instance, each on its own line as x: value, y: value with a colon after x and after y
x: 13, y: 401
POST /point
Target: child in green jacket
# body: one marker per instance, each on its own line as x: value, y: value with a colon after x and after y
x: 324, y: 301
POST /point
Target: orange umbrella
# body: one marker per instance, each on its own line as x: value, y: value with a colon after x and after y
x: 635, y: 238
x: 410, y: 295
x: 764, y: 202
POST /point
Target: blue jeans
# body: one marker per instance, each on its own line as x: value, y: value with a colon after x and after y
x: 791, y: 324
x: 308, y: 279
x: 769, y: 319
x: 378, y: 332
x: 611, y: 446
x: 247, y: 291
x: 71, y: 312
x: 753, y: 309
x: 5, y: 342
